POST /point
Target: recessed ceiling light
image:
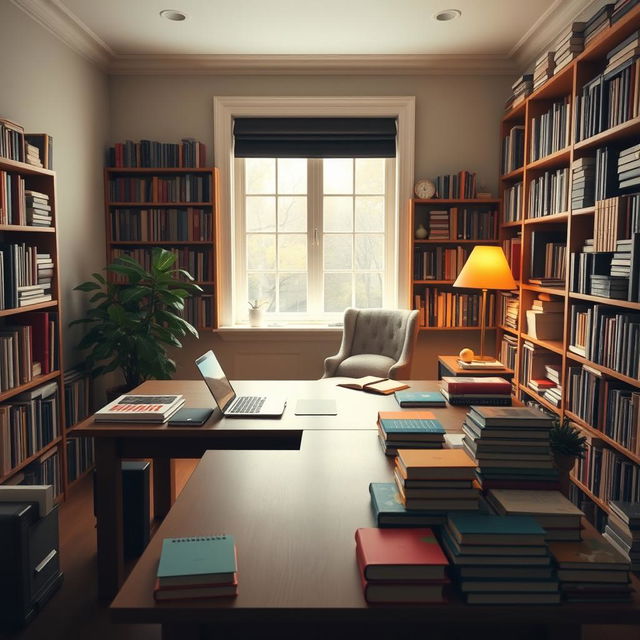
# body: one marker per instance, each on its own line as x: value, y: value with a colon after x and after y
x: 173, y: 14
x: 447, y: 14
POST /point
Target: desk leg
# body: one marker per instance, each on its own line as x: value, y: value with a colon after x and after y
x: 164, y: 489
x: 108, y: 489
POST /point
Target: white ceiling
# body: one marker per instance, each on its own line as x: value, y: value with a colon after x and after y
x: 126, y: 33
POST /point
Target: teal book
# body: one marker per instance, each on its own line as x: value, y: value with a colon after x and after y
x: 197, y: 560
x: 487, y: 529
x: 412, y: 425
x: 389, y: 511
x: 420, y: 399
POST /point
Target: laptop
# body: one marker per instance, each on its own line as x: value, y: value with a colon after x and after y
x: 231, y: 405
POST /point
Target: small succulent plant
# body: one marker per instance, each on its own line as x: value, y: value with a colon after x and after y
x: 257, y: 304
x: 566, y: 440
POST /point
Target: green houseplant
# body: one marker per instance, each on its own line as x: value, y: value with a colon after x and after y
x: 130, y: 326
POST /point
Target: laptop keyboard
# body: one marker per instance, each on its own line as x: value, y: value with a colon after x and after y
x: 247, y: 404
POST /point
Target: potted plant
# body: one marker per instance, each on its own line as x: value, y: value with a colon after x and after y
x: 256, y: 312
x: 131, y: 325
x: 567, y: 445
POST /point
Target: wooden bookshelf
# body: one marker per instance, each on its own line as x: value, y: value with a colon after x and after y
x: 39, y: 458
x: 572, y: 226
x: 155, y: 217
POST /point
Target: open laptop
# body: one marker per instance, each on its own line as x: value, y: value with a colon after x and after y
x: 231, y: 405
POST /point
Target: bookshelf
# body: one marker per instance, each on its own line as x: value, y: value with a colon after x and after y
x: 32, y: 417
x: 563, y: 200
x: 175, y: 208
x: 450, y: 229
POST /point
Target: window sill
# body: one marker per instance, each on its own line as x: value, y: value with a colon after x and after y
x: 280, y: 332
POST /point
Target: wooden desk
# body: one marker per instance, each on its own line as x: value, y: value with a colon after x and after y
x: 115, y: 442
x: 448, y: 366
x: 293, y: 515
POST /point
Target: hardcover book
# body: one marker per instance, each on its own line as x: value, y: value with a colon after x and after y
x: 373, y: 384
x: 190, y: 592
x: 550, y: 508
x: 510, y: 417
x: 140, y: 408
x: 476, y: 386
x: 410, y: 422
x: 389, y: 511
x: 420, y: 399
x: 489, y: 529
x: 427, y: 464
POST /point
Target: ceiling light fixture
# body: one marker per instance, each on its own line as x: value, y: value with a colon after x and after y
x: 447, y: 14
x: 173, y: 14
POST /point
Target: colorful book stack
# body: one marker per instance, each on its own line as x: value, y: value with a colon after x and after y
x: 570, y: 46
x: 389, y: 510
x: 500, y: 559
x: 591, y: 570
x: 557, y: 515
x: 438, y: 227
x: 623, y: 530
x: 401, y: 565
x: 436, y: 480
x: 198, y: 567
x: 511, y: 447
x: 466, y: 390
x: 409, y: 430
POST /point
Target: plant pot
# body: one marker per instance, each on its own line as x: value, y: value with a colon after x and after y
x: 256, y: 317
x: 564, y: 464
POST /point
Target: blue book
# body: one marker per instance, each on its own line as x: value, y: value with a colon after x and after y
x: 389, y: 511
x: 420, y: 399
x: 391, y: 423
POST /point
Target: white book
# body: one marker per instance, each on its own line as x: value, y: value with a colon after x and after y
x: 140, y: 408
x: 40, y: 493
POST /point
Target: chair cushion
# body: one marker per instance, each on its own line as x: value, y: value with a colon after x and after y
x: 365, y: 364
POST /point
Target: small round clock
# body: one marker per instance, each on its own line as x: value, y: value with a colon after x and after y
x: 424, y: 189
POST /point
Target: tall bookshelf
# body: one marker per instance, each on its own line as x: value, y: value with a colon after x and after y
x: 452, y: 227
x: 565, y: 219
x: 32, y: 421
x: 173, y: 208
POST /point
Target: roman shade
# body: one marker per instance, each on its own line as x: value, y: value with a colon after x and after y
x: 315, y: 137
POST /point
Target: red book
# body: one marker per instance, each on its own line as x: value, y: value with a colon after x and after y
x: 541, y: 383
x: 470, y: 386
x: 39, y: 322
x: 400, y: 555
x: 195, y: 591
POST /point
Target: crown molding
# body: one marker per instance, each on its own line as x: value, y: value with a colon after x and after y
x: 311, y: 64
x: 55, y: 18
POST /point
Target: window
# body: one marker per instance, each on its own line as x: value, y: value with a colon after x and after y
x: 314, y: 236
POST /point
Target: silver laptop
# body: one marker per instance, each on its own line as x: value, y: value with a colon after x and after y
x: 230, y: 404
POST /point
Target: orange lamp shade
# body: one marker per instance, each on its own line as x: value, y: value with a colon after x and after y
x: 486, y: 268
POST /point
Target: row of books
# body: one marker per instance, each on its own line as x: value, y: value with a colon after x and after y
x: 508, y: 350
x: 196, y: 261
x: 548, y: 267
x: 77, y: 396
x: 476, y: 223
x: 614, y: 219
x: 80, y: 457
x: 28, y: 422
x: 550, y: 131
x: 190, y: 224
x: 181, y: 188
x: 189, y: 153
x: 43, y: 470
x: 512, y: 203
x: 512, y: 247
x: 11, y: 140
x: 509, y: 308
x: 548, y: 193
x: 513, y: 149
x: 199, y: 311
x: 623, y: 530
x: 438, y: 263
x: 25, y: 275
x: 439, y: 308
x: 458, y: 185
x: 22, y: 206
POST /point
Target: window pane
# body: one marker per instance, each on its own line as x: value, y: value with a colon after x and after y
x: 261, y: 213
x: 292, y: 175
x: 338, y: 175
x: 262, y: 286
x: 337, y: 291
x: 370, y: 213
x: 338, y: 213
x: 338, y: 251
x: 368, y: 290
x: 293, y: 292
x: 370, y: 175
x: 292, y: 252
x: 292, y: 213
x: 369, y: 252
x: 260, y: 175
x: 261, y: 252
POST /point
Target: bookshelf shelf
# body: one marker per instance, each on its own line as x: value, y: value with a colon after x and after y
x: 552, y: 345
x: 553, y: 160
x: 455, y: 328
x: 511, y: 225
x: 585, y: 211
x: 156, y: 205
x: 506, y: 329
x: 556, y: 291
x: 628, y: 129
x: 554, y: 217
x: 538, y: 398
x: 455, y: 242
x: 557, y: 86
x: 609, y: 301
x: 441, y: 282
x: 456, y: 201
x: 7, y: 164
x: 38, y: 380
x: 26, y: 228
x: 609, y: 372
x: 30, y: 307
x: 513, y: 175
x: 161, y: 243
x: 591, y: 495
x: 155, y: 170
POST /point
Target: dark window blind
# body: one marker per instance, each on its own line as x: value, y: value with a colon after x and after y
x: 315, y: 137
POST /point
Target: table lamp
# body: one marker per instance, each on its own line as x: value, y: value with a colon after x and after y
x: 485, y: 268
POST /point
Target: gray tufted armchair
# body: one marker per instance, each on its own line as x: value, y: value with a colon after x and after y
x: 375, y: 342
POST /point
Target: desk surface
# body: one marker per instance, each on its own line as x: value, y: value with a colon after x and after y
x: 293, y: 515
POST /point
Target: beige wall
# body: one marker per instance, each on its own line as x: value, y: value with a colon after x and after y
x: 457, y: 127
x: 46, y: 87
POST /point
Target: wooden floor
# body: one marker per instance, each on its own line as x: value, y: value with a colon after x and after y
x: 74, y: 613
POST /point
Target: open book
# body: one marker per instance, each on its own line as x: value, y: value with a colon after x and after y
x: 373, y: 384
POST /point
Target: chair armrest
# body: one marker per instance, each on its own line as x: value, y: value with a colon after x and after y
x: 401, y: 370
x: 331, y: 363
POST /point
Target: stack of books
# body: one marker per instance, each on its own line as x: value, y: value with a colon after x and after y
x: 401, y: 565
x: 623, y: 530
x: 534, y: 362
x: 500, y: 559
x: 570, y: 46
x: 625, y: 262
x: 557, y: 515
x: 591, y: 570
x: 545, y: 318
x: 436, y: 480
x: 32, y: 155
x: 511, y: 447
x: 627, y: 50
x: 621, y: 8
x: 510, y: 307
x: 513, y: 149
x: 553, y: 394
x: 438, y: 226
x: 521, y: 88
x: 583, y: 182
x: 543, y: 70
x: 38, y: 209
x: 409, y: 430
x: 464, y: 390
x: 629, y: 168
x: 140, y: 408
x: 608, y: 286
x: 389, y: 510
x: 598, y: 22
x: 197, y: 567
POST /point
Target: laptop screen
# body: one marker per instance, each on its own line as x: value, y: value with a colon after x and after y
x: 215, y: 379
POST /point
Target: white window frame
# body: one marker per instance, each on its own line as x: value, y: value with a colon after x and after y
x: 226, y: 108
